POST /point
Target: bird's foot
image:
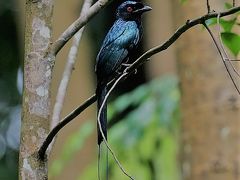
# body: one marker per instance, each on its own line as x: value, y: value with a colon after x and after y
x: 119, y: 72
x: 126, y: 65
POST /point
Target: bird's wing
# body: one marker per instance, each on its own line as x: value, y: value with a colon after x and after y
x: 121, y: 38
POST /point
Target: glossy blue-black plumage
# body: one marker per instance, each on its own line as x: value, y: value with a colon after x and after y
x: 121, y: 39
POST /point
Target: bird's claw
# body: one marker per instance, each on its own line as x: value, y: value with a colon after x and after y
x: 135, y: 71
x: 118, y: 72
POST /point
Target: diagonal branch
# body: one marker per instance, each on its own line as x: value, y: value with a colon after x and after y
x: 78, y: 24
x: 188, y: 25
x: 67, y: 119
x: 72, y: 56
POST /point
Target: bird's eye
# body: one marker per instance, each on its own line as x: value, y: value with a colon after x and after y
x: 129, y: 9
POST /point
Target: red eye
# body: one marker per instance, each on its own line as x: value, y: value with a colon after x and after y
x: 129, y: 9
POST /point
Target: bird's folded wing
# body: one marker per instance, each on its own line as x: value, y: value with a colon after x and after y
x: 122, y: 37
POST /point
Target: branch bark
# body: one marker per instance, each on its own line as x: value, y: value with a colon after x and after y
x: 68, y: 70
x: 78, y: 24
x: 189, y: 24
x: 67, y: 119
x: 208, y: 7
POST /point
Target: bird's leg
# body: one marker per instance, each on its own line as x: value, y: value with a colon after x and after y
x: 126, y: 64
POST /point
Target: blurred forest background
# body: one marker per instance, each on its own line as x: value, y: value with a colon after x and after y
x: 178, y: 116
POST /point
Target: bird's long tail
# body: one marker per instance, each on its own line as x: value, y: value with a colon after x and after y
x: 101, y: 94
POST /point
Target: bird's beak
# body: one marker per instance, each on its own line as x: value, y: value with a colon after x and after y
x: 145, y: 9
x: 142, y: 10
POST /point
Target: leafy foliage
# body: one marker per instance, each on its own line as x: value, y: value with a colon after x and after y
x: 146, y: 137
x: 183, y: 1
x: 230, y: 39
x: 145, y: 140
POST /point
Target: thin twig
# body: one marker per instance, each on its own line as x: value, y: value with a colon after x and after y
x: 95, y: 9
x: 234, y: 3
x: 223, y: 49
x: 208, y: 7
x: 78, y: 24
x: 189, y: 24
x: 232, y: 59
x: 100, y: 127
x: 222, y: 57
x: 72, y: 56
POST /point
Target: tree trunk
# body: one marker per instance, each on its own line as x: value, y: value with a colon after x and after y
x: 36, y: 97
x: 210, y: 105
x: 155, y: 33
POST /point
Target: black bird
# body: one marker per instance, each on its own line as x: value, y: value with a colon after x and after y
x: 121, y: 40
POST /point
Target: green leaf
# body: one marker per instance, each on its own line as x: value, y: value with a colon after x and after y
x: 211, y: 21
x: 228, y: 24
x: 229, y: 6
x: 232, y: 41
x: 126, y: 100
x: 146, y: 147
x: 183, y: 1
x: 146, y: 139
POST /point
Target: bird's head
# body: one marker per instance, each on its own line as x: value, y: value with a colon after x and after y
x: 131, y: 10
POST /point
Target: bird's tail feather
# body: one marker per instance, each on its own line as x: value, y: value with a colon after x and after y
x: 101, y: 94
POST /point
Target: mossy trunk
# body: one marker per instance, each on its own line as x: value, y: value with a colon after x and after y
x: 37, y: 80
x: 210, y: 104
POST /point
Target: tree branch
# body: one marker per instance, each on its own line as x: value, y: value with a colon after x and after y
x: 78, y: 24
x: 68, y: 69
x: 189, y: 24
x: 63, y: 123
x: 72, y: 56
x: 208, y: 7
